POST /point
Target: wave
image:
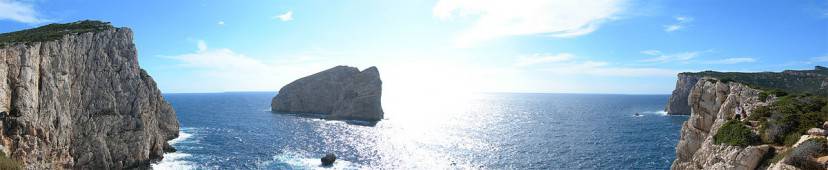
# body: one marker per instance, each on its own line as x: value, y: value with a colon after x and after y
x: 660, y: 112
x: 175, y: 160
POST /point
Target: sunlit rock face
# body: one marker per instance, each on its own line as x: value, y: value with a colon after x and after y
x: 678, y: 105
x: 341, y: 92
x: 712, y: 102
x: 82, y: 102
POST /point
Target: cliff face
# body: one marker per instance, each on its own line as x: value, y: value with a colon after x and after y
x: 81, y: 102
x: 338, y: 93
x: 711, y: 103
x: 677, y: 105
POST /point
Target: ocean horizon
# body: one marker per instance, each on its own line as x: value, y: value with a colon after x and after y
x: 237, y: 130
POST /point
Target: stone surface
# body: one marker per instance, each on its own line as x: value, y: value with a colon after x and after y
x: 82, y: 102
x: 816, y: 131
x: 712, y: 102
x: 329, y: 159
x: 677, y: 104
x: 341, y: 92
x: 825, y: 125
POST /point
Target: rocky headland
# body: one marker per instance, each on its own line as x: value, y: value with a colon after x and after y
x: 72, y: 96
x: 341, y: 92
x: 761, y: 120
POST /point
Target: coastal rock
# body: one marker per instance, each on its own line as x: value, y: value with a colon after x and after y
x: 825, y: 125
x: 816, y: 132
x: 81, y: 102
x: 341, y: 92
x: 712, y: 102
x: 329, y: 159
x: 677, y: 104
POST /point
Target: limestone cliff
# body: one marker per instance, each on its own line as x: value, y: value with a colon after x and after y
x: 677, y: 105
x: 711, y: 103
x: 338, y: 93
x: 72, y: 96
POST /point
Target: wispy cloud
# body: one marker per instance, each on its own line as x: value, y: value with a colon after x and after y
x: 680, y: 23
x: 220, y: 23
x: 820, y: 59
x: 496, y: 18
x: 19, y: 12
x: 287, y: 16
x: 736, y: 60
x: 534, y: 59
x: 674, y: 57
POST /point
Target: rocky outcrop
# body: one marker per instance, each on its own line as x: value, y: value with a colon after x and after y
x: 712, y: 102
x: 677, y: 104
x: 338, y: 93
x: 81, y: 101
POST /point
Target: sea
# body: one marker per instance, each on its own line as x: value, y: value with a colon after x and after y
x: 237, y: 130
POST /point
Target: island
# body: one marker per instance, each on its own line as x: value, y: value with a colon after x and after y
x: 338, y: 93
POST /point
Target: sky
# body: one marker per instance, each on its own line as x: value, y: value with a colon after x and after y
x: 446, y: 46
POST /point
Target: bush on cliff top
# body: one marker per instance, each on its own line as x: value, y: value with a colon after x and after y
x: 736, y: 133
x: 783, y: 121
x: 797, y: 81
x: 8, y: 164
x: 803, y: 155
x: 52, y: 31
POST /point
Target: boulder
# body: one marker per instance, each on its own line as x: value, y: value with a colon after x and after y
x: 329, y: 159
x: 816, y: 132
x: 341, y: 92
x: 825, y: 125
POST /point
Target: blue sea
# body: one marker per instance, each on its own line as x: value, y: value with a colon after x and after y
x: 476, y: 131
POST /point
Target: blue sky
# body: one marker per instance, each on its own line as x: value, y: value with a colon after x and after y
x: 441, y: 46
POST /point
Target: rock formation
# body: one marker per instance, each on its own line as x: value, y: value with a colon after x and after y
x: 338, y: 93
x: 677, y: 105
x: 74, y: 97
x: 711, y: 103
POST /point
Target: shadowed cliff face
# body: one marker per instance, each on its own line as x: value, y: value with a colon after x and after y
x: 338, y: 93
x: 81, y: 102
x: 677, y: 105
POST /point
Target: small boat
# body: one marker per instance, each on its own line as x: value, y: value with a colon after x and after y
x: 636, y: 114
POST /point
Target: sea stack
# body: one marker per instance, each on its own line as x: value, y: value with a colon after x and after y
x: 342, y: 93
x: 73, y: 97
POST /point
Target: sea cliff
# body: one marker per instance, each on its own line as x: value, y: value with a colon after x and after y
x: 73, y: 96
x: 748, y: 100
x: 340, y: 92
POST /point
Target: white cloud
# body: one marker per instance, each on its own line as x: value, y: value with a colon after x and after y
x: 220, y: 23
x: 664, y: 58
x: 18, y: 11
x: 820, y: 59
x: 734, y: 60
x: 542, y: 58
x: 681, y: 23
x: 498, y: 18
x: 287, y: 16
x: 599, y: 68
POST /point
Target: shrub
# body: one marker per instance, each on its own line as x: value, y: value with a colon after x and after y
x: 52, y: 31
x: 783, y: 121
x: 8, y: 164
x: 803, y: 155
x: 735, y: 133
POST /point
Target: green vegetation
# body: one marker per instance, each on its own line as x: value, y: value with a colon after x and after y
x: 52, y: 32
x: 791, y: 81
x: 8, y: 164
x: 735, y: 133
x: 784, y: 121
x: 803, y: 155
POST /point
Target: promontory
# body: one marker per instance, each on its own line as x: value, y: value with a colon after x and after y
x: 72, y: 96
x: 340, y: 92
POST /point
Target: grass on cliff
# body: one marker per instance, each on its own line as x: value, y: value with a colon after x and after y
x: 803, y: 156
x: 785, y: 120
x: 735, y: 133
x: 52, y: 32
x: 791, y: 81
x: 8, y: 164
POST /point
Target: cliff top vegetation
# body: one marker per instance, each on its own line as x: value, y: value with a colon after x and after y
x: 52, y: 31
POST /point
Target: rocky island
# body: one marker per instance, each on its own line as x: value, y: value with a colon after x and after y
x: 341, y: 92
x: 766, y: 120
x: 72, y: 96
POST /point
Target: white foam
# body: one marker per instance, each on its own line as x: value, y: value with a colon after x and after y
x: 175, y: 160
x: 660, y: 112
x: 295, y: 161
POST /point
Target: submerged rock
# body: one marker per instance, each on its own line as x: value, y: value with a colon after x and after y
x: 329, y: 159
x: 341, y: 92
